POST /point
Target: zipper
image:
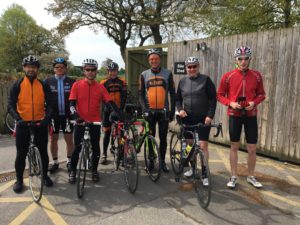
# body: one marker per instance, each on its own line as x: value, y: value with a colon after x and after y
x: 89, y: 97
x: 32, y: 100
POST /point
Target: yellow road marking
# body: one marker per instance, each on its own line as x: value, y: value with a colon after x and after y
x: 293, y: 180
x: 20, y: 199
x: 224, y: 159
x: 283, y: 199
x: 51, y: 212
x: 6, y: 186
x: 215, y: 161
x: 24, y: 215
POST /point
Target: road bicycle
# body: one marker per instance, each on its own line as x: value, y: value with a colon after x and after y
x: 10, y: 123
x: 123, y: 149
x: 142, y: 136
x: 85, y: 158
x: 35, y: 170
x: 181, y: 158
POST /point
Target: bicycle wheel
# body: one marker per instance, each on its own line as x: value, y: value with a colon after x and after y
x: 81, y: 173
x: 201, y: 172
x: 152, y: 158
x: 131, y: 167
x: 175, y: 154
x: 10, y: 122
x: 36, y: 177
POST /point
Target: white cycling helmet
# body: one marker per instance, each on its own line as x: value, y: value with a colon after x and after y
x: 192, y: 61
x: 90, y: 62
x: 242, y: 51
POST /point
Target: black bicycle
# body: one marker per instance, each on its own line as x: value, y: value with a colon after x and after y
x: 181, y: 156
x: 35, y: 164
x: 85, y: 158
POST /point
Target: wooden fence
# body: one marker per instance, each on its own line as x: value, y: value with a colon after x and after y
x: 276, y: 54
x: 4, y: 89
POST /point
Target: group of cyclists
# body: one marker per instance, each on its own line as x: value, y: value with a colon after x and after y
x: 59, y: 99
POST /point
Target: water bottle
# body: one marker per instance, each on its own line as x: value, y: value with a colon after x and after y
x: 188, y: 149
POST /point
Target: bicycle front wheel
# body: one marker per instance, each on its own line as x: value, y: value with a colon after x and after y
x: 202, y: 178
x: 81, y: 173
x: 175, y: 154
x: 36, y: 177
x: 10, y: 122
x: 131, y: 167
x: 152, y: 158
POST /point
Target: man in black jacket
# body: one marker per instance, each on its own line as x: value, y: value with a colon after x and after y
x: 196, y: 102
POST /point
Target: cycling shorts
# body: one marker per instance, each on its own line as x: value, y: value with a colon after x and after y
x: 203, y: 132
x: 250, y: 127
x: 60, y: 123
x: 105, y: 121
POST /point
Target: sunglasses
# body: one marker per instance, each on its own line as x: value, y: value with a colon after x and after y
x: 90, y: 70
x: 192, y: 67
x: 241, y: 59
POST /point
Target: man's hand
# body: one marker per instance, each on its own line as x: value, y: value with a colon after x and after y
x: 21, y: 123
x: 235, y: 105
x: 182, y: 113
x: 250, y: 106
x: 207, y: 120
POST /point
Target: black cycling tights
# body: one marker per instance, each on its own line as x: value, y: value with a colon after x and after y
x: 163, y: 125
x: 95, y: 138
x: 22, y: 141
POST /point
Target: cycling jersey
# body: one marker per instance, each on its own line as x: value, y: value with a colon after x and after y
x: 235, y: 84
x: 117, y: 90
x: 88, y: 99
x: 27, y: 100
x: 60, y: 91
x: 154, y: 88
x: 196, y: 96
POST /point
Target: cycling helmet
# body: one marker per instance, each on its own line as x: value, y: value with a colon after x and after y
x: 59, y: 60
x: 154, y: 51
x: 90, y: 62
x: 113, y: 66
x: 192, y: 61
x: 31, y: 60
x: 242, y: 51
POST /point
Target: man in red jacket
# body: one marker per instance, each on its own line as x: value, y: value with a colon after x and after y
x: 242, y: 90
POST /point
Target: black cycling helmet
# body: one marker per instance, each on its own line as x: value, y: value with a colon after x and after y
x: 242, y: 51
x: 113, y: 66
x: 59, y: 60
x: 154, y: 51
x: 90, y: 62
x: 31, y: 60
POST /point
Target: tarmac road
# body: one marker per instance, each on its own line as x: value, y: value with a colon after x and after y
x: 164, y: 202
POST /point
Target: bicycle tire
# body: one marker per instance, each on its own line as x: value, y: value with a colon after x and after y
x: 175, y: 154
x: 131, y: 166
x: 10, y: 122
x: 153, y: 161
x: 114, y: 148
x: 81, y: 173
x: 201, y: 170
x: 36, y: 177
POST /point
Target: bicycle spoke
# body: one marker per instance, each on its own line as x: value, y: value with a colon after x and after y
x: 35, y: 174
x: 81, y: 173
x: 152, y: 158
x: 201, y: 172
x: 175, y: 154
x: 131, y: 169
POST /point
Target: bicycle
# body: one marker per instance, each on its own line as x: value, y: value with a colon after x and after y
x: 200, y: 167
x: 85, y: 158
x: 10, y: 123
x: 122, y: 147
x: 152, y: 157
x: 35, y: 170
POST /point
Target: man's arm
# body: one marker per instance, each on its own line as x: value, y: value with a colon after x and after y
x: 142, y: 93
x: 12, y: 102
x: 222, y: 92
x: 212, y: 103
x: 123, y: 95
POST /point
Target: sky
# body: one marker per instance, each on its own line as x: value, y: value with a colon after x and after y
x: 82, y: 43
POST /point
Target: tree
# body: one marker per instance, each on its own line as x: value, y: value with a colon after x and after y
x: 20, y: 35
x: 225, y: 17
x: 123, y: 20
